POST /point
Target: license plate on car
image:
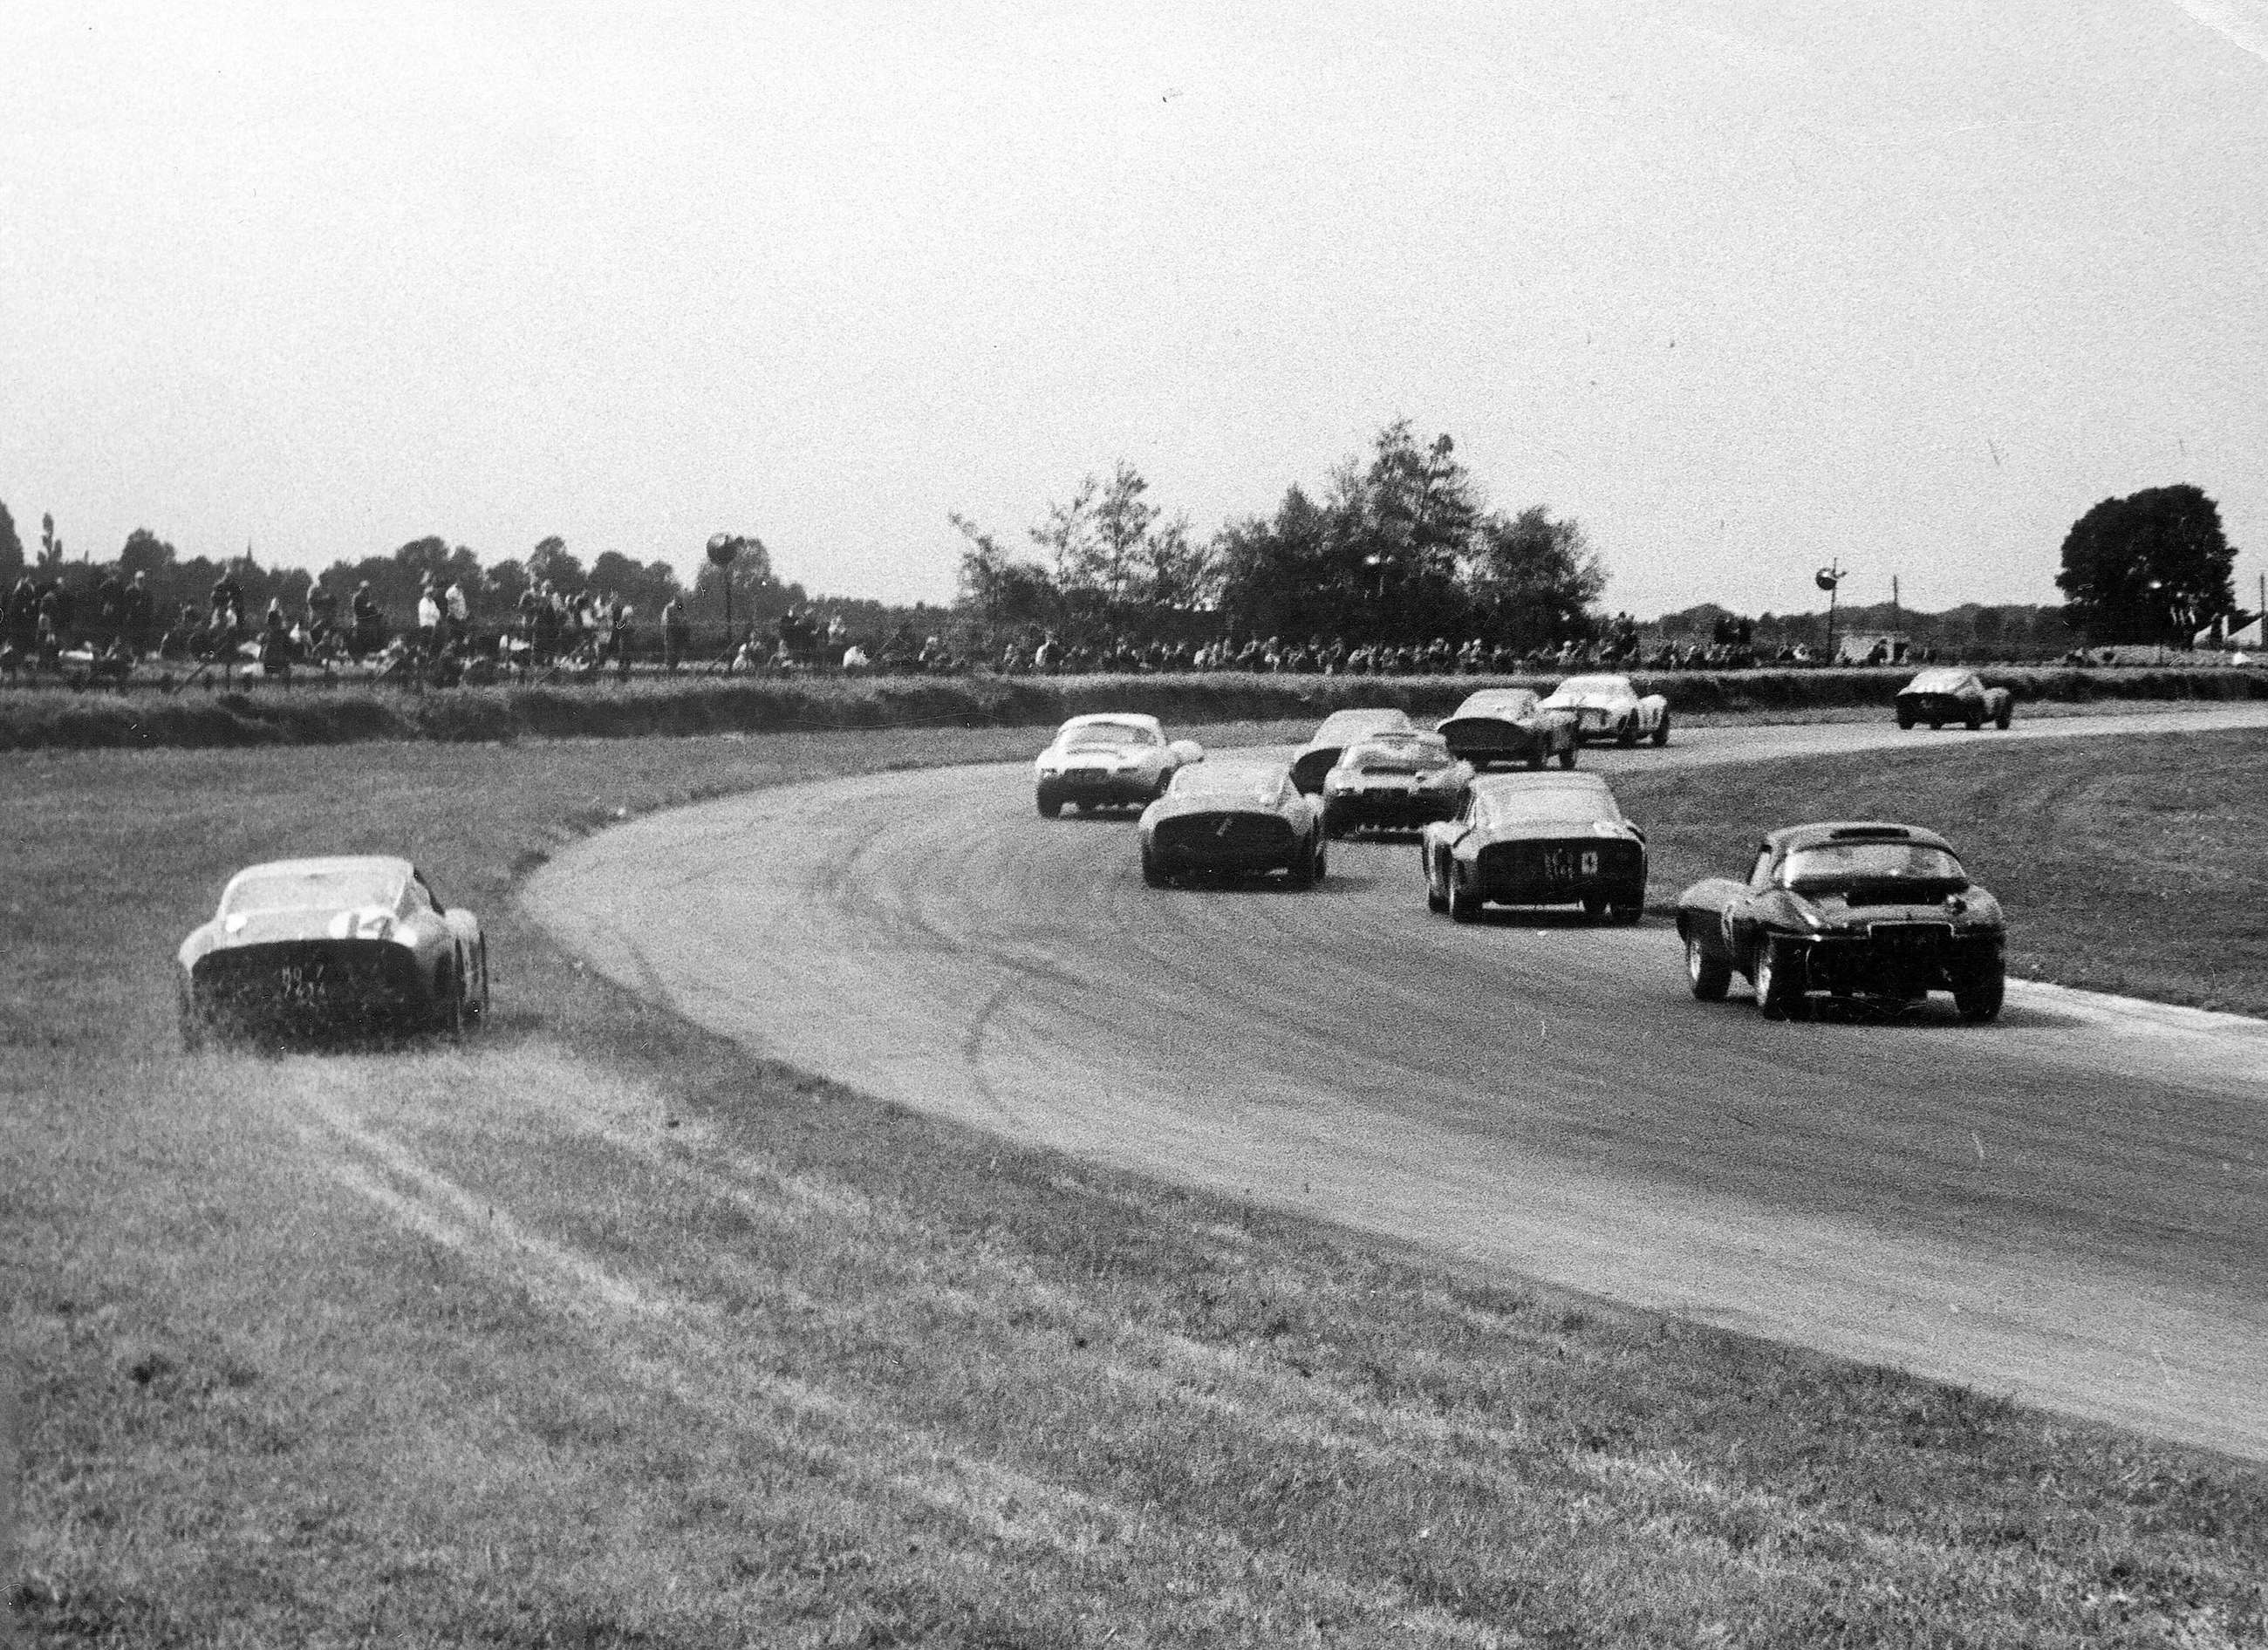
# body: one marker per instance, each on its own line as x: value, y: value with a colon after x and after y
x: 300, y: 983
x: 1568, y: 865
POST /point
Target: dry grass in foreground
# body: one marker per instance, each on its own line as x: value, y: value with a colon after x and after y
x: 599, y: 1332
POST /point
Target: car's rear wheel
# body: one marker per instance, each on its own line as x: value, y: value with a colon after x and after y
x: 2007, y: 715
x: 1906, y: 719
x: 448, y: 1001
x: 1567, y: 756
x: 1596, y: 910
x: 1710, y: 978
x: 1936, y: 723
x: 1300, y: 873
x: 1978, y: 997
x: 1153, y: 874
x: 1975, y: 720
x: 1627, y: 735
x: 1051, y: 804
x: 1464, y: 903
x: 476, y: 997
x: 1662, y: 730
x: 1780, y: 981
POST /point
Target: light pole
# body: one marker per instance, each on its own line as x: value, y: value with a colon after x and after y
x: 1828, y: 578
x: 724, y: 550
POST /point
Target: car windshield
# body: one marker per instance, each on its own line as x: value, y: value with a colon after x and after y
x: 1344, y: 727
x: 1833, y: 864
x: 1510, y: 701
x: 1221, y: 779
x: 1939, y: 682
x: 1399, y: 756
x: 1592, y: 688
x: 340, y: 888
x: 1575, y: 804
x: 1109, y: 736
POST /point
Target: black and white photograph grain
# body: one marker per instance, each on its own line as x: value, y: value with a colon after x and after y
x: 1033, y: 825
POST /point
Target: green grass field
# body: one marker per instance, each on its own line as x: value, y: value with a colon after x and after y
x: 597, y: 1332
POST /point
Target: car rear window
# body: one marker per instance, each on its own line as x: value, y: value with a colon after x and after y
x: 1834, y: 864
x: 348, y: 888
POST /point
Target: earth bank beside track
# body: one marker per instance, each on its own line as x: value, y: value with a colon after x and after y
x: 252, y: 712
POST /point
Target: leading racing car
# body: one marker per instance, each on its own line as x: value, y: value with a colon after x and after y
x: 1950, y: 693
x: 1338, y: 730
x: 356, y: 944
x: 1115, y: 758
x: 1857, y: 909
x: 1393, y: 781
x: 1608, y: 707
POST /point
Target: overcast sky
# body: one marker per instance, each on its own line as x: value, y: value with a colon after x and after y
x: 1740, y: 286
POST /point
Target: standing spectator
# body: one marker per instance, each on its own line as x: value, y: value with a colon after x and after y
x: 369, y: 633
x: 227, y: 602
x: 429, y: 617
x: 458, y: 605
x: 676, y: 633
x: 621, y: 632
x: 24, y: 617
x: 110, y: 605
x: 140, y: 610
x: 48, y: 640
x: 322, y: 613
x: 276, y: 641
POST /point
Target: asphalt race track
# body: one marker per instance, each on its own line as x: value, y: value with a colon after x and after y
x: 2068, y: 1205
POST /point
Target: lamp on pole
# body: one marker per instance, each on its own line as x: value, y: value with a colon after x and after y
x: 1829, y: 578
x: 724, y: 550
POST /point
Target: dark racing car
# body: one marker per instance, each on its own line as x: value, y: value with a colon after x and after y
x: 358, y: 944
x: 1232, y: 819
x: 1948, y: 694
x: 1862, y: 910
x: 1507, y: 724
x: 1340, y: 730
x: 1395, y: 781
x: 1539, y: 839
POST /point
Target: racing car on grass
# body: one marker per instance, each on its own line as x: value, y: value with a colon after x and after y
x: 1340, y: 730
x: 1536, y: 840
x: 1110, y: 760
x: 1950, y: 694
x: 1860, y: 909
x: 1608, y: 707
x: 353, y: 943
x: 1393, y: 780
x: 1507, y: 724
x: 1232, y: 819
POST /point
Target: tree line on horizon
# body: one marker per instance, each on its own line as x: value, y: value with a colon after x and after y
x: 1396, y: 548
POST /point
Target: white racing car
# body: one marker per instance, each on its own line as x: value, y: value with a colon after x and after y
x: 1116, y: 759
x: 1608, y: 707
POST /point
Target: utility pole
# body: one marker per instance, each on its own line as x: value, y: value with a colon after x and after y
x: 1897, y: 623
x: 1828, y: 578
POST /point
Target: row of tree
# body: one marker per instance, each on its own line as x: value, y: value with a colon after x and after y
x: 1399, y: 548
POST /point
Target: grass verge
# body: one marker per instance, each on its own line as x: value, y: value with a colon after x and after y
x: 262, y: 715
x: 599, y: 1332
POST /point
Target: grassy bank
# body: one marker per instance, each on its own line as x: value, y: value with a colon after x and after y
x: 2131, y: 866
x: 57, y: 719
x: 601, y: 1333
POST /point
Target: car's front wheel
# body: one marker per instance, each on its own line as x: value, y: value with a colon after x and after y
x: 1567, y: 756
x: 1050, y: 803
x: 1978, y: 997
x: 1662, y: 730
x: 1464, y: 902
x: 2007, y: 715
x: 1436, y: 901
x: 1906, y: 719
x: 448, y: 1001
x: 1710, y: 978
x: 1780, y: 981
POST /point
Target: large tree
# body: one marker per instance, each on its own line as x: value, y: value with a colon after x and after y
x: 11, y: 547
x: 1533, y: 579
x: 2152, y: 566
